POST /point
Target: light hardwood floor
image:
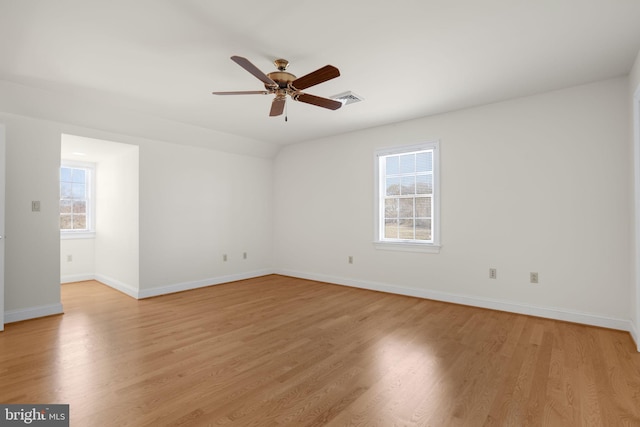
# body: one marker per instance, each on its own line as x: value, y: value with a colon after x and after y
x: 282, y: 351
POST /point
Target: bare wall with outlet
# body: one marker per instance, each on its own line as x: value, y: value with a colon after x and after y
x: 517, y: 182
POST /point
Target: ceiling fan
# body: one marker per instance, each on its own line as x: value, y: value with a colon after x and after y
x: 282, y: 83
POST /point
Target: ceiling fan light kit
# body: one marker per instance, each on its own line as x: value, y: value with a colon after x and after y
x: 282, y: 83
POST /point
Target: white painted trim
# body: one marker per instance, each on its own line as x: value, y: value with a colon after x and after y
x: 634, y: 335
x: 164, y: 290
x: 493, y: 304
x: 185, y: 286
x: 3, y: 171
x: 426, y: 248
x: 118, y: 285
x: 378, y: 210
x: 32, y: 313
x: 635, y: 321
x: 77, y: 278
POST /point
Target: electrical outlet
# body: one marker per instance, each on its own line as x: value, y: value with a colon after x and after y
x: 493, y: 273
x: 35, y: 206
x: 350, y: 259
x: 533, y: 277
x: 224, y: 257
x: 244, y: 255
x: 69, y: 258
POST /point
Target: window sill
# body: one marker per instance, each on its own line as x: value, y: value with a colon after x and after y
x: 77, y: 235
x: 407, y: 247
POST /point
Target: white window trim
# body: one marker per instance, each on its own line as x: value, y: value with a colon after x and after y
x: 409, y: 245
x: 91, y: 233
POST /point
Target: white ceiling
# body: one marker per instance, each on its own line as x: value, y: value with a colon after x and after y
x: 406, y: 58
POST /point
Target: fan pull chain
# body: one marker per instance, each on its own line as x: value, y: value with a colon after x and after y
x: 286, y: 111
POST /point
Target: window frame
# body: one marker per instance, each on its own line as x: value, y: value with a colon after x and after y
x: 410, y: 245
x: 90, y: 231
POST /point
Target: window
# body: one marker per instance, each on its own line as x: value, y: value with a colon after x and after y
x: 407, y: 198
x: 76, y: 199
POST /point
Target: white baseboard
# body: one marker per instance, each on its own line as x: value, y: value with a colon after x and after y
x: 169, y: 289
x: 118, y: 285
x: 77, y: 278
x: 32, y: 313
x: 634, y: 334
x: 512, y: 307
x: 185, y: 286
x: 493, y: 304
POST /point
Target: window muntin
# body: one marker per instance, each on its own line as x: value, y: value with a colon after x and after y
x: 76, y: 198
x: 407, y: 195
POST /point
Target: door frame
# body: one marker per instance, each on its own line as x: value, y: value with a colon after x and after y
x: 635, y: 321
x: 2, y: 216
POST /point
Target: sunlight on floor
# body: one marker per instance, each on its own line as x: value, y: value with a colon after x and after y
x: 406, y: 366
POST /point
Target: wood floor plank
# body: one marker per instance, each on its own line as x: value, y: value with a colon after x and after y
x: 280, y: 351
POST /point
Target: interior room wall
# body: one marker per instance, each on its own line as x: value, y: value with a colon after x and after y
x: 32, y: 245
x: 117, y: 219
x: 536, y: 184
x: 634, y: 95
x: 77, y: 260
x: 196, y: 206
x: 2, y: 209
x: 214, y: 200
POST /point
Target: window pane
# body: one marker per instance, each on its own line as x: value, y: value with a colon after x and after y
x: 408, y: 185
x: 424, y: 162
x: 393, y: 186
x: 65, y: 206
x: 79, y: 222
x: 65, y: 174
x: 407, y: 194
x: 408, y: 163
x: 423, y: 229
x: 406, y: 208
x: 423, y: 207
x: 74, y: 202
x: 65, y: 190
x: 79, y: 206
x: 77, y: 191
x: 424, y: 184
x: 391, y: 229
x: 65, y: 222
x: 393, y: 165
x: 78, y: 175
x: 391, y: 208
x: 405, y: 229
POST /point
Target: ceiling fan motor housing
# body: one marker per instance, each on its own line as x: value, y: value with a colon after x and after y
x: 282, y: 78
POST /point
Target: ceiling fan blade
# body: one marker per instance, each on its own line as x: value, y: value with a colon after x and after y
x: 321, y: 75
x: 247, y: 65
x: 277, y: 106
x: 319, y: 101
x: 243, y: 92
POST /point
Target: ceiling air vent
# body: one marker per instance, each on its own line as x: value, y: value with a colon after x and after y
x: 347, y: 98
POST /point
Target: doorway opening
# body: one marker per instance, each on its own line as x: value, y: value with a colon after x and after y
x: 109, y: 252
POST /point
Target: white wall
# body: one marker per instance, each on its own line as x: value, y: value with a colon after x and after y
x: 534, y: 184
x: 117, y: 219
x: 32, y: 246
x: 116, y: 239
x: 82, y: 265
x: 196, y: 201
x: 2, y: 204
x: 187, y: 206
x: 195, y: 206
x: 634, y: 91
